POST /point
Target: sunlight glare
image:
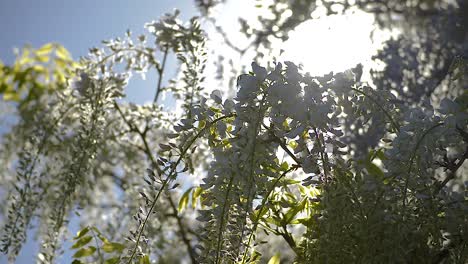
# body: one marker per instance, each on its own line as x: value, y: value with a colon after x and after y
x: 333, y: 43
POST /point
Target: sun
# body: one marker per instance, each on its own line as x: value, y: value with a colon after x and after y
x: 332, y: 43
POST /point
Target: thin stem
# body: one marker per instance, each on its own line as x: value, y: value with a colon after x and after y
x: 323, y: 155
x: 260, y: 212
x: 115, y: 53
x: 226, y: 38
x: 167, y: 180
x: 28, y: 174
x: 251, y: 176
x: 395, y: 125
x: 72, y: 180
x: 453, y: 169
x: 282, y: 145
x: 148, y: 153
x: 97, y: 246
x: 183, y: 233
x: 290, y: 240
x: 161, y: 72
x: 413, y: 156
x: 355, y: 197
x: 220, y: 230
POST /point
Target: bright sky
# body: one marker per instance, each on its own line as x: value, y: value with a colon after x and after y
x: 334, y: 43
x: 322, y: 45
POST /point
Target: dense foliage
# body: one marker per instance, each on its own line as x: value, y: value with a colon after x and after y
x: 293, y: 167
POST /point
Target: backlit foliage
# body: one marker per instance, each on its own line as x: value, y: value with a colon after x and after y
x: 274, y: 173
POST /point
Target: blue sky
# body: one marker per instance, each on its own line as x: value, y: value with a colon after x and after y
x: 79, y: 25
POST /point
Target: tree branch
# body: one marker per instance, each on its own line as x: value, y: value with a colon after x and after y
x: 148, y: 153
x: 452, y: 166
x: 161, y: 72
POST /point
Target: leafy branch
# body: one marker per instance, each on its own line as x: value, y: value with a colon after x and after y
x: 169, y: 177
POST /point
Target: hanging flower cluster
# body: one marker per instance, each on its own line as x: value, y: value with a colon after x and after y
x: 303, y: 116
x: 284, y: 158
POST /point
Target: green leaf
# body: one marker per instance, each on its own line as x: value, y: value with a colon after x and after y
x: 113, y: 260
x: 42, y: 54
x: 302, y: 221
x: 102, y: 238
x: 289, y: 181
x: 380, y: 154
x: 145, y: 260
x: 81, y: 233
x: 183, y: 202
x: 46, y: 49
x: 99, y: 235
x: 85, y: 252
x: 258, y: 214
x: 195, y: 194
x: 201, y: 124
x: 275, y: 259
x: 284, y: 166
x: 82, y: 242
x: 113, y: 246
x: 62, y: 53
x: 289, y: 216
x: 374, y: 170
x: 293, y: 144
x: 11, y: 96
x: 272, y: 220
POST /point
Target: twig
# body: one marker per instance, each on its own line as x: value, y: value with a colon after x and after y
x: 161, y: 72
x: 148, y: 153
x: 262, y: 207
x: 282, y: 145
x: 395, y: 125
x: 453, y: 167
x: 410, y: 166
x: 167, y: 180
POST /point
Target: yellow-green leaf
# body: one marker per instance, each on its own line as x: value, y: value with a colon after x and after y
x: 11, y: 96
x: 374, y: 170
x: 99, y: 235
x: 85, y: 252
x: 293, y: 144
x: 201, y: 124
x: 81, y: 233
x: 144, y: 260
x: 275, y: 259
x: 82, y: 242
x: 112, y: 246
x: 183, y: 202
x: 289, y: 216
x: 195, y: 194
x: 24, y: 60
x: 113, y: 260
x: 62, y: 53
x: 39, y: 68
x: 42, y: 58
x: 272, y: 220
x: 46, y: 49
x: 284, y: 166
